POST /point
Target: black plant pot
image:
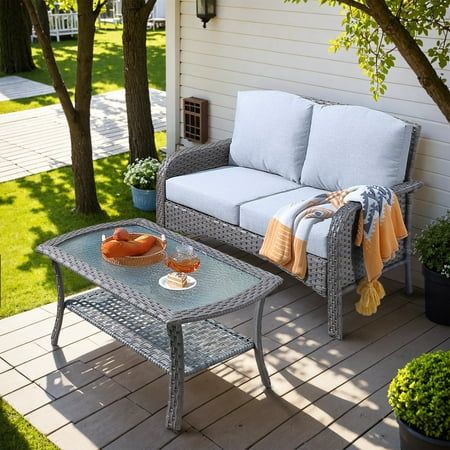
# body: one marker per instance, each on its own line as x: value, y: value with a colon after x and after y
x: 437, y: 297
x: 412, y: 440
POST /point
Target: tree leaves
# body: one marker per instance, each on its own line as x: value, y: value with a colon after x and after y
x: 421, y: 18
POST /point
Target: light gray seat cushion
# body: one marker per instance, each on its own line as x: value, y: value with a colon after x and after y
x: 219, y: 192
x: 271, y: 131
x: 256, y: 215
x: 353, y: 145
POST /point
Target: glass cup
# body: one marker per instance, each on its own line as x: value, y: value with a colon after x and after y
x: 184, y: 259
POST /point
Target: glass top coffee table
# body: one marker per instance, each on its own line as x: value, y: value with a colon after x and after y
x: 173, y: 329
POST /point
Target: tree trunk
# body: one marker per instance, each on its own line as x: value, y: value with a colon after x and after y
x: 82, y: 166
x: 15, y: 38
x: 412, y: 53
x: 41, y: 9
x: 78, y: 116
x: 82, y: 163
x: 140, y: 126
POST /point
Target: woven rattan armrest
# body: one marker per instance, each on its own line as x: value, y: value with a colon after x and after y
x: 407, y: 187
x: 344, y: 218
x: 189, y: 160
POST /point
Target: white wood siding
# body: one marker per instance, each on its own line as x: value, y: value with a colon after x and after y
x: 267, y: 44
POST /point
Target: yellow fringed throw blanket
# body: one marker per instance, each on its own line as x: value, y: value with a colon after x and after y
x: 380, y: 227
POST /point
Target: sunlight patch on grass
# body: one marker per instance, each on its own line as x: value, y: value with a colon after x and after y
x: 39, y: 207
x: 107, y: 70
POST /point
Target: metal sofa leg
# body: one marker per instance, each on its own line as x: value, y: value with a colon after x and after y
x: 408, y: 277
x: 335, y: 320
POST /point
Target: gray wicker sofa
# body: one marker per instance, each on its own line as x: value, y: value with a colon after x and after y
x: 229, y: 189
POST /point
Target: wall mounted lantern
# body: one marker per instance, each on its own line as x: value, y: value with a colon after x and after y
x: 206, y: 10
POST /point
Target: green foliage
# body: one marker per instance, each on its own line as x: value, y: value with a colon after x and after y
x: 42, y: 205
x: 420, y: 394
x: 375, y: 50
x: 17, y: 434
x: 432, y: 246
x: 107, y: 71
x: 142, y: 173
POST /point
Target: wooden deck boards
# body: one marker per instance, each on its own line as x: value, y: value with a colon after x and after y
x: 327, y: 394
x: 37, y: 140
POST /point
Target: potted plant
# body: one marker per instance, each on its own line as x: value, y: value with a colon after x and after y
x: 420, y: 397
x: 433, y: 249
x: 141, y: 177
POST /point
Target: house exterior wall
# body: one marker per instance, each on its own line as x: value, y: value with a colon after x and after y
x: 267, y: 44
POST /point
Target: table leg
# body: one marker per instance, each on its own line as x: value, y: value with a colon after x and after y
x: 259, y: 352
x: 176, y: 377
x: 61, y: 304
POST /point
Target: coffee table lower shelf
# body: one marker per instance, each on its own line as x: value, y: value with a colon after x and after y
x: 206, y: 342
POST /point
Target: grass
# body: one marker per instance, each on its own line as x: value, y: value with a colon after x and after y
x: 107, y: 71
x: 17, y: 434
x: 42, y: 207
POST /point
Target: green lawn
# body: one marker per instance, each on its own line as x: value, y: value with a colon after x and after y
x: 107, y: 71
x: 39, y: 207
x: 17, y: 434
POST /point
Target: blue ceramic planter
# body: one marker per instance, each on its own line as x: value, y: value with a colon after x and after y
x: 143, y: 199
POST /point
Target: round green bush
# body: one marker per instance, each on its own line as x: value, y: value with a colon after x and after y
x: 420, y: 394
x: 432, y: 246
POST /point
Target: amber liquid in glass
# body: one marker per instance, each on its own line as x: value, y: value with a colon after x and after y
x: 186, y: 265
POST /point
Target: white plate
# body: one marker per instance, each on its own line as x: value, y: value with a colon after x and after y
x: 191, y: 282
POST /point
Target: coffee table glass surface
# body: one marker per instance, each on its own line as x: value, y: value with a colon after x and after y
x: 216, y: 280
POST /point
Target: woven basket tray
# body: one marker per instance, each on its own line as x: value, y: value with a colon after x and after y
x: 153, y: 256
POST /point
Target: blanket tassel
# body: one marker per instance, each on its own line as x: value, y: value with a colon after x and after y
x: 371, y: 293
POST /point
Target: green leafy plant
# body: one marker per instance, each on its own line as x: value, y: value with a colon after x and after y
x: 420, y: 394
x: 142, y: 173
x: 432, y: 246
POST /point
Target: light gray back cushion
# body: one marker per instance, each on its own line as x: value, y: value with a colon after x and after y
x: 271, y: 132
x: 353, y: 145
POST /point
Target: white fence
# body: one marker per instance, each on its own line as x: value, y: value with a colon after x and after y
x: 64, y: 24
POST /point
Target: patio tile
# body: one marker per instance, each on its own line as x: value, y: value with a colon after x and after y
x: 348, y: 427
x: 21, y: 320
x: 153, y: 396
x: 102, y: 427
x: 152, y: 432
x: 28, y: 399
x: 32, y: 332
x: 383, y: 436
x: 83, y: 350
x: 68, y: 379
x: 116, y: 361
x: 244, y: 426
x: 77, y: 405
x: 138, y: 376
x: 4, y: 366
x: 69, y: 335
x: 24, y: 353
x: 191, y: 439
x: 12, y: 380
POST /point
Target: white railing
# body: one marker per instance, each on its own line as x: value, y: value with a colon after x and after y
x: 64, y: 24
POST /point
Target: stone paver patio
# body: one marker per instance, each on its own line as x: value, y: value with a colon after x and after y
x: 92, y: 392
x: 37, y: 140
x: 14, y: 87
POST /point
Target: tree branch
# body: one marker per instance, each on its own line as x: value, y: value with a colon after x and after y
x: 47, y: 50
x: 357, y: 5
x: 147, y: 8
x: 98, y: 7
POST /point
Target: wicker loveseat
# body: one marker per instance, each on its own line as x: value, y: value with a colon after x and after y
x: 229, y: 189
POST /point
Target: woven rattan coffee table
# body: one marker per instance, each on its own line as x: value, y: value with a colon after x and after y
x: 172, y: 329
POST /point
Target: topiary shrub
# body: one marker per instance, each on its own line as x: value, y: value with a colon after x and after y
x: 432, y: 246
x: 420, y: 394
